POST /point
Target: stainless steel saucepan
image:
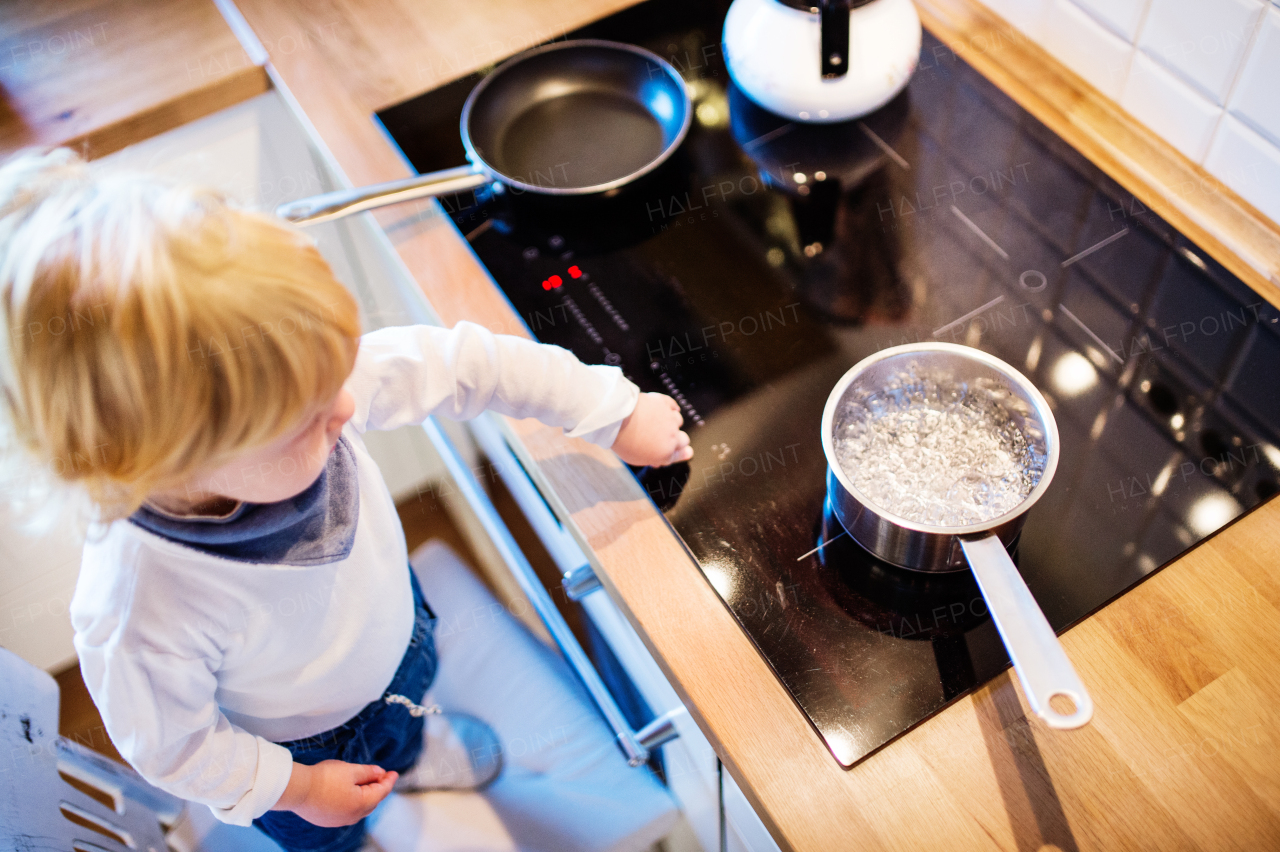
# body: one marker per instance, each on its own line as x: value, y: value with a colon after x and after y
x: 1041, y: 665
x: 582, y: 117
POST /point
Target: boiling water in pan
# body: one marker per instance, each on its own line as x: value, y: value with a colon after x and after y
x: 580, y: 139
x: 937, y: 451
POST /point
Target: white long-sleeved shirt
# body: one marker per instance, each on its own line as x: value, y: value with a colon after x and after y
x: 199, y: 664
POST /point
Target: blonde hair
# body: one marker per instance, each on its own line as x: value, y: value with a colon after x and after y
x: 151, y: 330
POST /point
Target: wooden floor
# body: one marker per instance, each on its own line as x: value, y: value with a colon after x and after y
x: 78, y: 719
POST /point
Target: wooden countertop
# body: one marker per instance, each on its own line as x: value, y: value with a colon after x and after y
x: 1182, y: 752
x: 98, y: 76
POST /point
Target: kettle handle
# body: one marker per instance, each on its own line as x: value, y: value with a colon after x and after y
x: 833, y: 18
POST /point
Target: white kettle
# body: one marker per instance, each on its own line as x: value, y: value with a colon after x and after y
x: 821, y: 60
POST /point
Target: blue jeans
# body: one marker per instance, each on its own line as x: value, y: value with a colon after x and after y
x: 381, y: 734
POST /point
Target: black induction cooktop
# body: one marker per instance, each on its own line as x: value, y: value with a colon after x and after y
x: 748, y: 274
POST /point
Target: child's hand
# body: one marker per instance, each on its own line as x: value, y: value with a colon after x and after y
x: 651, y: 433
x: 334, y: 792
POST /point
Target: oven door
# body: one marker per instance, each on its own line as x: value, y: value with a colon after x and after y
x: 649, y: 721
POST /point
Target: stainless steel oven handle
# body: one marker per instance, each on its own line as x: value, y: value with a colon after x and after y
x: 636, y: 752
x: 580, y: 581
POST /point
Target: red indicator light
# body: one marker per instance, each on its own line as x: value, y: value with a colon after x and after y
x: 553, y: 282
x: 575, y: 272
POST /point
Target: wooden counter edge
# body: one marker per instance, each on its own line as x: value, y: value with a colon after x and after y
x: 128, y: 87
x: 224, y: 92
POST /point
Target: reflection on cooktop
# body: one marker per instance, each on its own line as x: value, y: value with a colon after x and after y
x: 749, y: 273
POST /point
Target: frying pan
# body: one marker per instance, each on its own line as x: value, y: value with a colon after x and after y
x: 1038, y: 659
x: 581, y: 117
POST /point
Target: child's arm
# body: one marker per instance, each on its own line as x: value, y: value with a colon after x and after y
x: 651, y: 434
x: 159, y: 709
x: 406, y: 374
x: 156, y: 694
x: 169, y: 729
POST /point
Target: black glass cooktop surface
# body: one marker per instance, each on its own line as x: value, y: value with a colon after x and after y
x: 749, y: 273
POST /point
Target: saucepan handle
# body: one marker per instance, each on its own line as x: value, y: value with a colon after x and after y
x: 344, y: 202
x: 1042, y: 666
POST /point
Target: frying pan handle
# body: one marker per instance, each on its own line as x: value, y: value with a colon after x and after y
x: 344, y: 202
x: 1042, y: 666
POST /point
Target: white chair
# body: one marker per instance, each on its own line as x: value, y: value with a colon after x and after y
x: 58, y: 795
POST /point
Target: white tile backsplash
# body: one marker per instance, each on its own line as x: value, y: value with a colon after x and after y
x: 1173, y: 65
x: 1087, y: 47
x: 1247, y: 163
x: 1122, y: 17
x: 1026, y: 15
x: 1257, y: 94
x: 1202, y: 40
x: 1176, y: 111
